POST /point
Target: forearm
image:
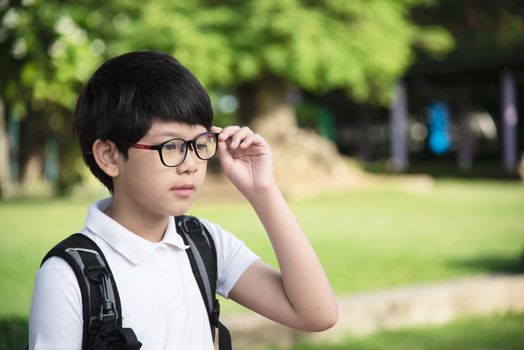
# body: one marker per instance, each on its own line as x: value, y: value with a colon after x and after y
x: 303, y: 279
x: 299, y: 295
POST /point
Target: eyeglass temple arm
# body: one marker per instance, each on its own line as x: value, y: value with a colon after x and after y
x: 142, y: 146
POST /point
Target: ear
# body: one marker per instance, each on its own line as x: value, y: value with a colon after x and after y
x: 106, y: 156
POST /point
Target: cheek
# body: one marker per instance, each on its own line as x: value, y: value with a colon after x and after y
x: 200, y: 176
x: 144, y: 159
x: 143, y: 172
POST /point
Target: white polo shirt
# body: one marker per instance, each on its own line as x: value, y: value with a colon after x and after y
x: 160, y: 298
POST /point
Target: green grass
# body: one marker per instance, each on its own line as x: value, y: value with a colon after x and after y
x: 13, y: 333
x: 378, y: 238
x: 501, y: 332
x: 367, y: 239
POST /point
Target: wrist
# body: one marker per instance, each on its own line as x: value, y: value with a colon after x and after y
x: 262, y: 194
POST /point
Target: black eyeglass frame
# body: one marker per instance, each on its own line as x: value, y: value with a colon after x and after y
x: 190, y: 144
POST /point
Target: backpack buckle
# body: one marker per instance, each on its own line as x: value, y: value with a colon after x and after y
x: 190, y: 224
x: 108, y: 316
x: 108, y: 311
x: 215, y: 314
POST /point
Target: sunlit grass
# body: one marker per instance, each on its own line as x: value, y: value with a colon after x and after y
x: 377, y: 238
x: 367, y: 239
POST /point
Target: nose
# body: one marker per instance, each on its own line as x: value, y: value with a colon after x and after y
x: 190, y: 163
x: 190, y: 145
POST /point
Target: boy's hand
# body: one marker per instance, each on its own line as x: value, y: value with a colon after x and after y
x: 300, y: 295
x: 246, y: 159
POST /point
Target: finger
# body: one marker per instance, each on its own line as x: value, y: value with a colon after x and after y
x: 239, y: 136
x: 226, y: 132
x: 216, y: 129
x: 222, y: 150
x: 250, y: 140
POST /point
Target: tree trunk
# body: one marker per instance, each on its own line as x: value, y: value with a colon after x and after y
x: 6, y: 186
x: 264, y: 106
x: 31, y: 157
x: 305, y: 162
x: 364, y: 141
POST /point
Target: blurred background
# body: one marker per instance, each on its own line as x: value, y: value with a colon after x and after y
x: 394, y: 126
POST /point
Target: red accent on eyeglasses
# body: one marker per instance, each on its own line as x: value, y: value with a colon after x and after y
x: 141, y: 146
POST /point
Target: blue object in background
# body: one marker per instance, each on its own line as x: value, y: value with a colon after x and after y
x: 438, y: 125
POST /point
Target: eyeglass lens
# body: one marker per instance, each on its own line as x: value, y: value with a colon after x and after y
x: 174, y: 152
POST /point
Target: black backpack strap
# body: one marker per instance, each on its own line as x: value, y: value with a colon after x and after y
x: 203, y: 259
x: 101, y: 308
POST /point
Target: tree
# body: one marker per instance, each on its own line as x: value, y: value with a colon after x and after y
x: 480, y: 28
x: 49, y: 48
x: 361, y: 46
x: 259, y: 48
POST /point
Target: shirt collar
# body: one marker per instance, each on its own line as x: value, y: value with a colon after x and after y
x: 130, y: 245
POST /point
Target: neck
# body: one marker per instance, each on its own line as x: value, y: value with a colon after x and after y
x: 146, y: 225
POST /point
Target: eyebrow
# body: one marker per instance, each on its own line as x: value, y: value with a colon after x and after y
x: 172, y: 134
x: 166, y: 134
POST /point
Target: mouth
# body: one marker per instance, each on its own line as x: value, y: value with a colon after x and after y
x: 184, y: 190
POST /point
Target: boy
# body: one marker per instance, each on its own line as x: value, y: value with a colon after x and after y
x: 144, y: 125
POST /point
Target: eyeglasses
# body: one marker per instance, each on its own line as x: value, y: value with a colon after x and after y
x: 173, y: 152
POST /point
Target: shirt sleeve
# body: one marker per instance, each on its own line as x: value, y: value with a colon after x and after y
x: 233, y: 257
x: 55, y: 318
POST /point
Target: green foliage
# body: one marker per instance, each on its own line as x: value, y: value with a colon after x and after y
x: 51, y: 47
x: 481, y: 29
x: 48, y: 53
x: 362, y: 46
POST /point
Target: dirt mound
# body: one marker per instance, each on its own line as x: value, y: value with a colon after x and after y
x: 305, y: 163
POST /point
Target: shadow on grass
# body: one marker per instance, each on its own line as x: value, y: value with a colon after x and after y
x: 13, y: 333
x: 447, y: 168
x: 491, y: 264
x: 501, y: 332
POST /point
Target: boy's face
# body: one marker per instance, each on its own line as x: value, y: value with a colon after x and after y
x: 146, y: 185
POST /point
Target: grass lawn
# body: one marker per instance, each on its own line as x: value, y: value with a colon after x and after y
x: 367, y: 239
x: 378, y: 238
x: 501, y: 332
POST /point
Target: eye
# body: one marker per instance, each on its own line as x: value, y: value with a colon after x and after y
x: 201, y: 146
x: 170, y: 146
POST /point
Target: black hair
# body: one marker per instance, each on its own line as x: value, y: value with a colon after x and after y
x: 128, y: 92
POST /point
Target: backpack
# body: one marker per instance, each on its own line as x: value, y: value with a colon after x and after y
x: 101, y: 308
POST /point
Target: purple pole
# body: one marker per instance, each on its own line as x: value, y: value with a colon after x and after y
x: 398, y: 125
x: 465, y: 151
x: 509, y: 121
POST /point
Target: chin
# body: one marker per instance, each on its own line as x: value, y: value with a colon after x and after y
x: 177, y: 210
x: 178, y: 205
